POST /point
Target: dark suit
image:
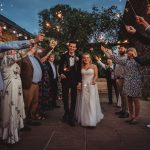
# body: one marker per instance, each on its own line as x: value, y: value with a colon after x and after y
x: 111, y: 83
x: 73, y: 76
x: 53, y: 82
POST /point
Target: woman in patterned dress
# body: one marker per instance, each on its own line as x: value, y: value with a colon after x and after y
x: 132, y: 82
x: 45, y: 101
x: 12, y: 104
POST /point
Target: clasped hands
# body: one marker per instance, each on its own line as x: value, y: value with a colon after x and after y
x: 79, y: 86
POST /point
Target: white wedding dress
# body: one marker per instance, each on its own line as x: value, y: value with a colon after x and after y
x: 88, y: 110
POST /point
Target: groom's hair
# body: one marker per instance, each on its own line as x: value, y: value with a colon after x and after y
x: 72, y: 42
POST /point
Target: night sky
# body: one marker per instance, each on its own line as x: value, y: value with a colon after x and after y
x: 25, y: 12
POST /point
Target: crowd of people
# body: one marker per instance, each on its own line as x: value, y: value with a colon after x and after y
x: 29, y: 84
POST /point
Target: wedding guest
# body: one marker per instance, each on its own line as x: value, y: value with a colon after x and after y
x: 69, y: 70
x: 132, y: 82
x: 110, y: 76
x: 45, y: 100
x: 45, y: 86
x: 53, y: 76
x: 31, y: 75
x: 141, y: 38
x: 12, y: 104
x: 119, y: 76
x: 88, y: 110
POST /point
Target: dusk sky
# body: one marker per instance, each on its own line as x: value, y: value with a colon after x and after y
x: 25, y: 12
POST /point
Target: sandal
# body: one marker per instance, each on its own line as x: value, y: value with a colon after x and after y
x: 128, y: 121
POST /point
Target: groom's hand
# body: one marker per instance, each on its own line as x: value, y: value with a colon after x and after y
x: 63, y: 76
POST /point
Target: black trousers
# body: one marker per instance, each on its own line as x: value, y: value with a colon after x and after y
x: 69, y: 107
x: 54, y: 90
x: 110, y: 84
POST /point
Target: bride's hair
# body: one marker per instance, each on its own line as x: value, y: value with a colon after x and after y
x: 89, y: 57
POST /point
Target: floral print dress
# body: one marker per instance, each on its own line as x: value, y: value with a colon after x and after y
x: 12, y: 104
x: 132, y: 76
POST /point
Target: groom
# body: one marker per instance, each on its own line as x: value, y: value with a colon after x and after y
x: 70, y: 72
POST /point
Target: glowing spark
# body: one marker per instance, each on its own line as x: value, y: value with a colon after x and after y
x: 118, y: 15
x: 125, y: 41
x: 14, y: 31
x: 48, y: 24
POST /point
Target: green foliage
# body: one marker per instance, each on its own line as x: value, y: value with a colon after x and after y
x: 65, y: 23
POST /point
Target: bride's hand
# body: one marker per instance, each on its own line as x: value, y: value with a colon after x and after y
x: 93, y: 82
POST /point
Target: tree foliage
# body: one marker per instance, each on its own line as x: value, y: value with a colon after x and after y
x: 65, y: 23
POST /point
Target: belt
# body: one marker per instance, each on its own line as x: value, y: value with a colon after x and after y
x: 35, y: 83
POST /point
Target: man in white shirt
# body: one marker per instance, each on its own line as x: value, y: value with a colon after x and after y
x: 53, y: 76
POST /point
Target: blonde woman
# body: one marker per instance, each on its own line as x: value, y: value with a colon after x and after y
x: 88, y: 110
x: 132, y: 82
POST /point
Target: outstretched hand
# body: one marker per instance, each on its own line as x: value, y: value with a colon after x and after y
x: 142, y: 21
x: 39, y: 38
x: 97, y: 58
x: 130, y: 29
x: 106, y: 50
x: 103, y: 48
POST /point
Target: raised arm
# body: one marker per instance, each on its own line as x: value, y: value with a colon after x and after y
x: 142, y: 61
x: 98, y: 59
x: 17, y: 45
x: 116, y: 59
x: 137, y: 35
x: 14, y: 45
x: 95, y: 74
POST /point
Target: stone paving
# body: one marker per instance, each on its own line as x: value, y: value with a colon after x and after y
x: 112, y: 133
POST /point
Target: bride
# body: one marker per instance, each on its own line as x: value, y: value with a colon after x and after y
x: 88, y: 110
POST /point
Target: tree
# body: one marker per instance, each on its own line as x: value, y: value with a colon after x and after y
x: 65, y: 23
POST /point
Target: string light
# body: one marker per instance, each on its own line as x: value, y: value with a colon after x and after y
x: 14, y: 32
x: 25, y: 37
x: 119, y: 15
x: 4, y: 27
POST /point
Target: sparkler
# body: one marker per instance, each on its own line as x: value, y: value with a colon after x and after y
x: 132, y: 7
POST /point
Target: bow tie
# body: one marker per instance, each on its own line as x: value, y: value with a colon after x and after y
x: 72, y: 56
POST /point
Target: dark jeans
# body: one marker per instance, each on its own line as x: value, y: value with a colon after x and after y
x: 110, y: 84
